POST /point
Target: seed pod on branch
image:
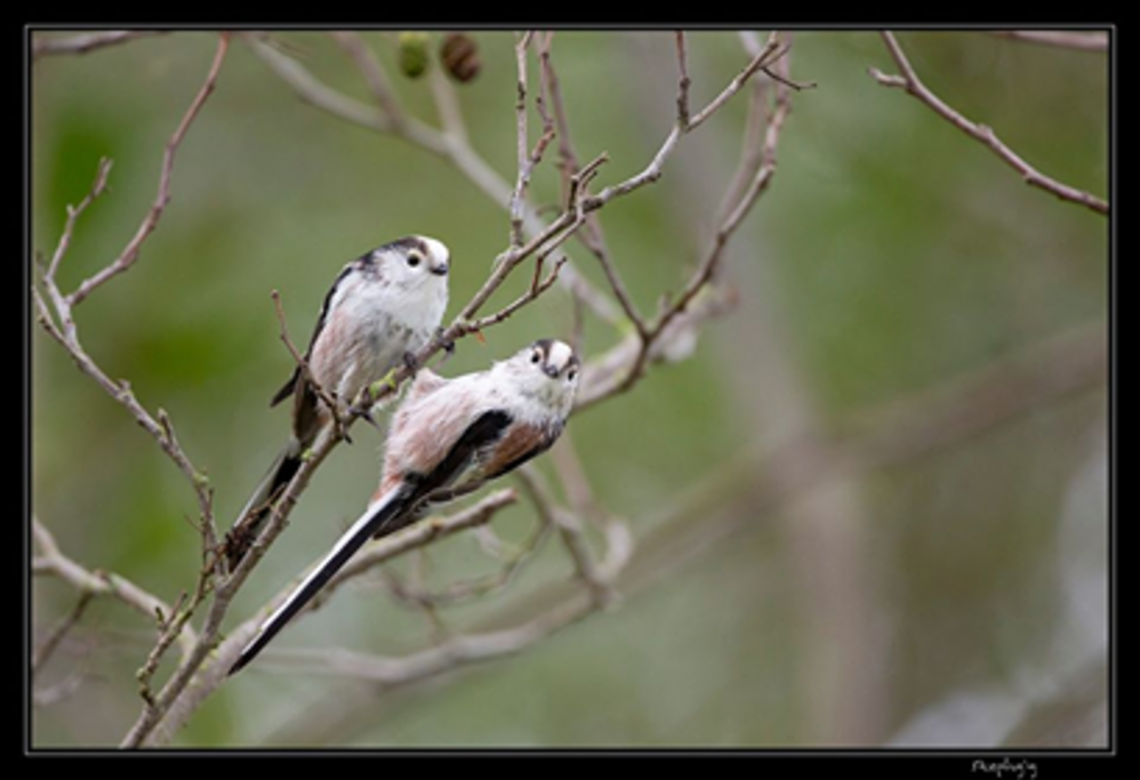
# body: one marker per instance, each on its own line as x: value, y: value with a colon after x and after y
x: 413, y: 53
x: 460, y: 56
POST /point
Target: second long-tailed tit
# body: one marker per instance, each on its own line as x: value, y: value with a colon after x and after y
x: 383, y: 307
x: 448, y: 435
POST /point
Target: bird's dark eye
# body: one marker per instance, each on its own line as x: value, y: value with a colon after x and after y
x: 570, y: 377
x: 535, y: 357
x: 414, y: 260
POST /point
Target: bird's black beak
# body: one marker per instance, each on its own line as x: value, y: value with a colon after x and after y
x: 440, y: 270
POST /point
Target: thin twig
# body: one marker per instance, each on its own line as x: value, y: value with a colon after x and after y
x: 649, y: 335
x: 1081, y: 41
x: 73, y: 214
x: 592, y: 235
x: 526, y: 162
x: 765, y: 57
x: 121, y: 392
x: 910, y: 82
x: 52, y: 561
x: 536, y: 289
x: 157, y: 723
x: 684, y: 125
x: 683, y: 83
x: 464, y: 590
x: 150, y: 222
x: 49, y: 644
x: 460, y: 650
x: 568, y: 161
x: 374, y: 77
x: 319, y: 95
x: 326, y: 396
x: 86, y: 42
x: 569, y: 529
x: 450, y: 112
x: 60, y: 324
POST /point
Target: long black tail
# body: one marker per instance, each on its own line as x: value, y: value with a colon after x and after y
x: 389, y: 510
x: 256, y: 511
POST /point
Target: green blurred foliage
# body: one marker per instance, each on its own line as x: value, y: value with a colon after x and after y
x: 895, y: 254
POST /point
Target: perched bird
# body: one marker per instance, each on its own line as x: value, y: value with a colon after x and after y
x: 477, y: 426
x: 382, y: 309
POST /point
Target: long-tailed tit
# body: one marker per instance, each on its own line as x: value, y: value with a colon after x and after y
x: 383, y: 307
x: 477, y: 426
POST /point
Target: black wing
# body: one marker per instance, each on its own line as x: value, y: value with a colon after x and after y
x: 290, y: 385
x: 484, y: 432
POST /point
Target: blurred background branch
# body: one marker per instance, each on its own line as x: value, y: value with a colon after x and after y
x: 1085, y: 41
x: 85, y: 42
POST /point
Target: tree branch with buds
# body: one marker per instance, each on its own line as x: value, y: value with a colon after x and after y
x: 530, y: 238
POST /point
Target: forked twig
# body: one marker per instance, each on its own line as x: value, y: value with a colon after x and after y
x: 913, y: 85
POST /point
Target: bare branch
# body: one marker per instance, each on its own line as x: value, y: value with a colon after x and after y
x: 460, y: 650
x: 326, y: 397
x: 319, y: 95
x: 974, y: 402
x: 121, y: 392
x: 1081, y: 41
x: 464, y: 590
x: 762, y: 59
x: 683, y: 83
x: 526, y: 162
x: 73, y: 213
x: 653, y: 171
x: 173, y: 624
x: 51, y: 561
x: 45, y: 648
x: 910, y: 82
x: 156, y: 722
x: 374, y: 77
x: 451, y: 117
x: 746, y: 197
x: 86, y: 42
x: 65, y: 333
x: 612, y: 372
x: 592, y: 236
x: 537, y: 288
x: 569, y: 529
x: 131, y: 252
